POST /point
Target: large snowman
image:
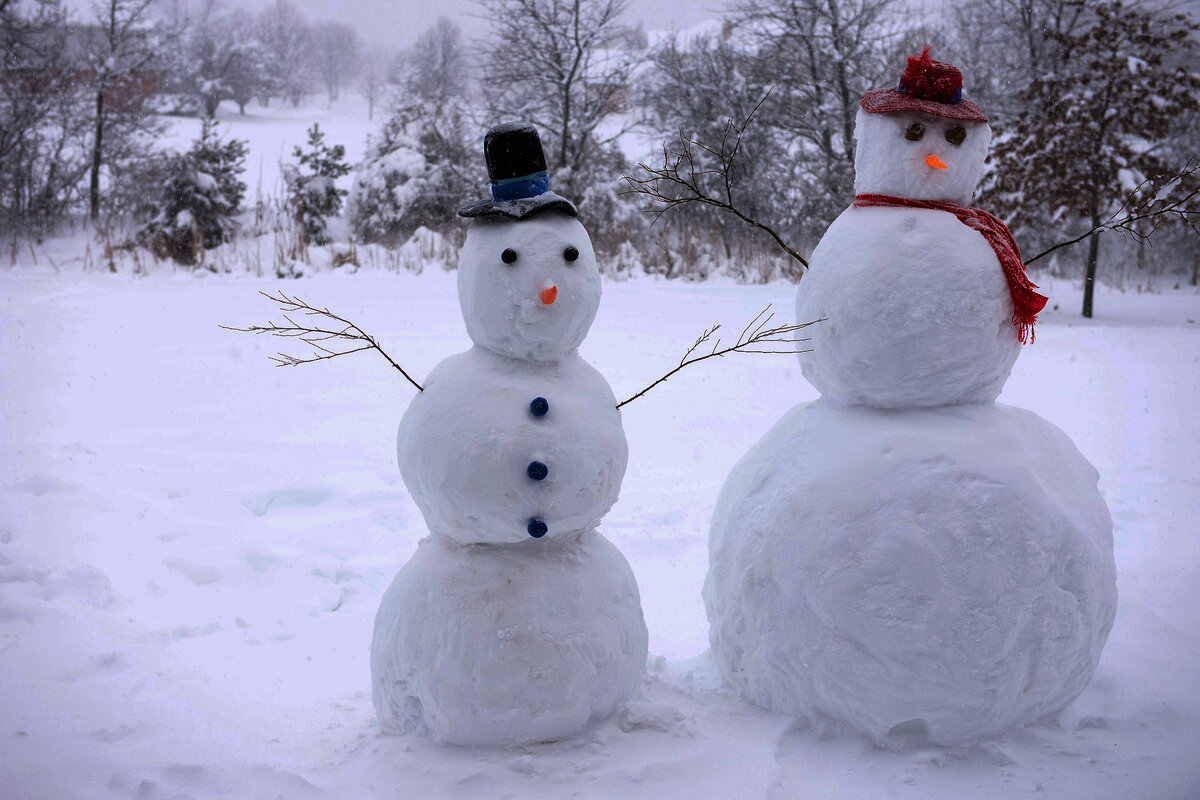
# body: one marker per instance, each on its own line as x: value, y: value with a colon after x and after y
x: 905, y: 555
x: 515, y: 621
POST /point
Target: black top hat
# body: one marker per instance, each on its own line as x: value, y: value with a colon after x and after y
x: 517, y: 174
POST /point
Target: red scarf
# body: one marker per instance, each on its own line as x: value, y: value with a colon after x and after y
x: 1026, y: 302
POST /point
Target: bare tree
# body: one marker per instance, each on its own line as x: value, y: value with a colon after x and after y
x: 825, y: 54
x: 566, y: 66
x: 375, y: 64
x: 696, y: 173
x: 43, y: 117
x: 335, y: 52
x: 1004, y: 45
x: 286, y: 40
x: 121, y: 53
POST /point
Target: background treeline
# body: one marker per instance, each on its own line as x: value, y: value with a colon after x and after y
x: 1089, y: 102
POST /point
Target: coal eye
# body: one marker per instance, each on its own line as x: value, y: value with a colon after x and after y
x: 956, y: 135
x: 915, y: 132
x: 508, y: 256
x: 570, y: 254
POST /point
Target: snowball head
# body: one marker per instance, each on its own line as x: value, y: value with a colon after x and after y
x: 917, y: 311
x: 503, y: 645
x: 940, y: 574
x: 888, y: 161
x: 506, y: 268
x: 467, y: 442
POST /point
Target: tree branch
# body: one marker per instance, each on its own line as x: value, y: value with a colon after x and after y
x: 756, y: 337
x: 681, y: 172
x: 1134, y: 211
x: 315, y: 337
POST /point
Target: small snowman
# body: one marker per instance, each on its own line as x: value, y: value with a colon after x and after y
x: 905, y: 555
x: 515, y: 621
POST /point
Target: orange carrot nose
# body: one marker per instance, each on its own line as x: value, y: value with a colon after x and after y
x: 550, y: 295
x: 935, y: 162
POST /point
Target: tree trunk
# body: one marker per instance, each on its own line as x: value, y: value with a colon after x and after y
x: 97, y: 149
x: 1089, y: 280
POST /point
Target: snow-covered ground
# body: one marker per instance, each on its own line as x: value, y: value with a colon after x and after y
x: 193, y: 545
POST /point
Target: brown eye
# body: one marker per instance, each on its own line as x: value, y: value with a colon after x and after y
x: 571, y: 253
x: 956, y: 135
x: 915, y: 132
x: 508, y: 256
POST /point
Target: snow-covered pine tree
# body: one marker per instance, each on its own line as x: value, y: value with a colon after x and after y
x: 313, y: 195
x: 1092, y: 130
x: 202, y: 193
x: 423, y: 163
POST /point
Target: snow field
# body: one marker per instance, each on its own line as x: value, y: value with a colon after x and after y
x: 193, y: 545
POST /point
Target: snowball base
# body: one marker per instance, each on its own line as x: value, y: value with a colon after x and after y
x: 947, y: 573
x: 501, y: 645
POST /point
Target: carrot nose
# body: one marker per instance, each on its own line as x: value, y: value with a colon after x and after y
x: 550, y: 295
x: 935, y: 162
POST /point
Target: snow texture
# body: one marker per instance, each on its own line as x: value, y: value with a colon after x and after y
x: 916, y: 310
x: 507, y: 644
x: 936, y: 574
x: 886, y: 162
x: 194, y: 546
x: 465, y: 442
x: 502, y: 302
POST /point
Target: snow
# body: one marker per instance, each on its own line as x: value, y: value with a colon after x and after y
x: 934, y: 574
x: 193, y: 546
x: 510, y: 644
x: 272, y: 133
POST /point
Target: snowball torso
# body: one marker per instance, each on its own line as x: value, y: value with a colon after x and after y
x: 510, y: 644
x: 465, y: 444
x: 948, y: 570
x: 917, y: 311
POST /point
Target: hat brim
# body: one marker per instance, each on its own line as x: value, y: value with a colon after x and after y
x: 889, y: 101
x: 519, y: 208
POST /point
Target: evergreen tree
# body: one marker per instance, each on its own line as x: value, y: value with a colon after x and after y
x: 313, y: 195
x: 202, y: 193
x: 1089, y: 131
x: 425, y: 162
x: 567, y: 67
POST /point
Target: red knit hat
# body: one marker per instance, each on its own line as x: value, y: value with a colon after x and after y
x: 928, y: 86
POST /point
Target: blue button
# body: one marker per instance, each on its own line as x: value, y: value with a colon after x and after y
x: 537, y: 529
x: 539, y: 407
x: 537, y: 471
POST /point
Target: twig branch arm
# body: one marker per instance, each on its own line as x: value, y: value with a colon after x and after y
x: 756, y: 337
x: 681, y: 170
x: 315, y: 336
x: 1129, y: 214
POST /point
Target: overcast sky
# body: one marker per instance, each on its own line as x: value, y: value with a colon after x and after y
x: 400, y: 21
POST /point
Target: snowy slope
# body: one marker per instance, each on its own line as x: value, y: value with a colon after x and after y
x: 193, y: 545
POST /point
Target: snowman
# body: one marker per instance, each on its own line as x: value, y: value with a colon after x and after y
x: 904, y: 555
x: 515, y: 621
